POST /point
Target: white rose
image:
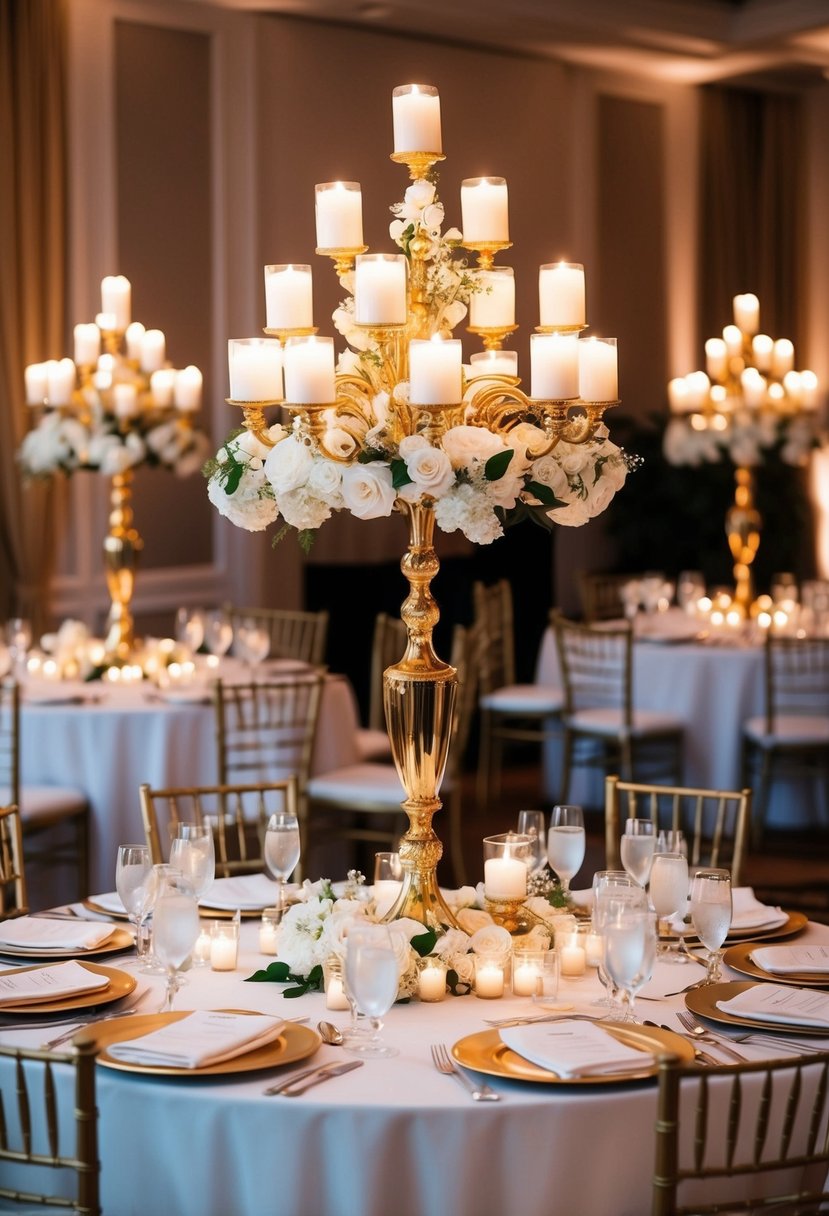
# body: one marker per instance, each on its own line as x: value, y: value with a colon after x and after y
x: 339, y: 443
x: 491, y: 939
x: 429, y: 469
x: 465, y: 444
x: 325, y: 481
x: 573, y: 458
x: 288, y: 464
x: 526, y: 438
x: 472, y: 919
x: 572, y: 516
x: 249, y: 507
x: 549, y: 472
x: 453, y: 941
x: 303, y: 510
x: 368, y: 491
x: 401, y: 933
x: 600, y: 496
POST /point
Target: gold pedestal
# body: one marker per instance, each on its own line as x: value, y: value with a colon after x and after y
x: 742, y: 526
x: 512, y: 915
x: 122, y: 546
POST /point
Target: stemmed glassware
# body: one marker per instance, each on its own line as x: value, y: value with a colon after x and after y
x: 613, y: 891
x: 711, y: 915
x: 192, y: 851
x: 630, y: 948
x: 282, y: 848
x: 637, y: 849
x: 372, y: 978
x: 690, y: 588
x: 218, y: 632
x: 134, y: 884
x: 669, y: 895
x: 18, y: 639
x: 566, y: 843
x: 533, y: 824
x: 252, y: 641
x: 190, y: 628
x: 175, y: 928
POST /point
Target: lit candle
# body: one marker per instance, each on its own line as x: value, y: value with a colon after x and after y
x: 698, y: 387
x: 309, y: 371
x: 162, y: 384
x: 598, y: 374
x: 484, y: 210
x: 335, y: 997
x: 339, y: 213
x: 554, y: 367
x: 747, y: 313
x: 201, y: 950
x: 754, y: 387
x: 223, y: 949
x: 125, y: 400
x: 572, y: 960
x: 435, y: 371
x: 809, y: 389
x: 288, y: 297
x: 187, y: 388
x: 60, y: 376
x: 762, y: 347
x: 525, y: 976
x: 492, y: 306
x: 678, y: 395
x: 153, y: 350
x: 733, y: 339
x: 267, y: 937
x: 432, y: 982
x: 116, y: 299
x: 380, y: 289
x: 593, y: 949
x: 416, y: 118
x: 36, y: 380
x: 782, y: 357
x: 494, y: 363
x: 255, y: 366
x: 505, y: 878
x: 105, y: 321
x: 133, y: 337
x: 489, y: 979
x: 561, y: 295
x: 716, y: 358
x: 87, y: 344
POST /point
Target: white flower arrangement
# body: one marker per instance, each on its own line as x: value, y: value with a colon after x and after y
x: 746, y: 437
x: 476, y: 481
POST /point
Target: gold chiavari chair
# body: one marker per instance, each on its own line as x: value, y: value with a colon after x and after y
x: 388, y: 647
x: 238, y: 815
x: 600, y: 594
x: 30, y: 1135
x: 715, y: 822
x: 14, y: 899
x: 293, y: 634
x: 761, y: 1126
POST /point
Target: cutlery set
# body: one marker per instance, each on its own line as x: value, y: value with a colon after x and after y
x: 444, y: 1064
x: 299, y: 1082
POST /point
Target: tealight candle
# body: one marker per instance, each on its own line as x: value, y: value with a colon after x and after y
x: 87, y: 344
x: 494, y: 363
x: 435, y: 371
x: 571, y: 953
x: 492, y: 306
x: 489, y: 977
x: 598, y: 369
x: 484, y: 210
x: 309, y: 370
x: 561, y: 295
x: 267, y: 935
x: 332, y: 974
x: 526, y: 972
x: 224, y: 946
x: 380, y: 289
x: 255, y: 366
x: 339, y: 215
x: 201, y: 950
x: 505, y: 878
x: 288, y: 297
x: 116, y: 295
x: 554, y: 367
x: 416, y: 118
x: 593, y: 949
x: 432, y: 980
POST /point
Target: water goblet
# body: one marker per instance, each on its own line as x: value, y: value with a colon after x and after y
x: 690, y: 589
x: 669, y: 895
x: 218, y: 632
x: 193, y: 853
x: 612, y: 890
x: 533, y: 824
x: 637, y: 849
x: 175, y: 928
x: 19, y: 639
x: 282, y: 848
x: 252, y: 641
x: 134, y: 884
x: 630, y: 946
x: 566, y: 843
x: 190, y: 628
x: 711, y: 915
x: 371, y: 976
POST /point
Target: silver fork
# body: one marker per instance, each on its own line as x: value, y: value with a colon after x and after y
x: 700, y: 1032
x: 126, y: 1011
x: 444, y: 1064
x: 790, y: 1046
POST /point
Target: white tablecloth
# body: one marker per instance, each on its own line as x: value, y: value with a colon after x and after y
x: 392, y: 1136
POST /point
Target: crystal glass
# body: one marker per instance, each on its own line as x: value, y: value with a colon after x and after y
x: 612, y: 890
x: 669, y: 895
x: 371, y: 976
x: 637, y: 849
x: 388, y: 879
x: 566, y: 843
x: 190, y: 627
x: 193, y: 853
x: 630, y: 947
x: 134, y: 884
x: 282, y: 847
x: 252, y: 641
x: 711, y: 915
x: 690, y: 589
x: 653, y: 590
x: 175, y: 928
x: 218, y: 632
x: 534, y: 825
x: 18, y: 639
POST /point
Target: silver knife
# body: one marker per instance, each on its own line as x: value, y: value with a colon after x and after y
x: 323, y: 1074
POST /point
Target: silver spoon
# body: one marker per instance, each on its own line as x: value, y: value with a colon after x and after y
x: 330, y: 1034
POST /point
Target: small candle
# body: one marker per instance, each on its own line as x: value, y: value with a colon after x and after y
x: 267, y: 937
x: 754, y: 387
x: 339, y: 215
x: 782, y: 360
x: 224, y: 946
x: 36, y: 381
x: 60, y: 376
x: 525, y: 975
x: 187, y: 388
x: 747, y: 313
x: 116, y: 296
x: 255, y: 366
x: 716, y: 358
x: 133, y: 337
x: 493, y: 305
x: 561, y: 295
x: 489, y: 979
x: 678, y: 395
x: 554, y: 367
x: 201, y: 950
x: 435, y: 371
x: 87, y: 344
x: 125, y: 400
x: 505, y: 878
x: 335, y: 997
x: 598, y: 374
x: 484, y: 210
x: 288, y: 297
x: 494, y: 363
x: 733, y: 340
x: 762, y: 348
x: 153, y: 350
x: 416, y: 118
x: 593, y: 949
x: 432, y: 982
x: 162, y: 384
x: 380, y: 289
x: 309, y: 370
x: 572, y: 959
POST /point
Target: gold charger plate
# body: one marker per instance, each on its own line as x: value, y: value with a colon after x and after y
x: 703, y: 1001
x: 102, y: 911
x: 796, y: 922
x: 486, y: 1052
x: 121, y: 940
x: 738, y: 958
x: 120, y: 984
x: 294, y: 1043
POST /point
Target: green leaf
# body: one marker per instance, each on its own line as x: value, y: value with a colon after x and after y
x: 306, y: 538
x: 424, y: 943
x: 497, y: 465
x: 369, y: 455
x: 544, y: 494
x: 400, y: 474
x: 274, y: 973
x: 234, y: 476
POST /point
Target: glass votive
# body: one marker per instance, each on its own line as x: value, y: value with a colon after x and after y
x: 388, y: 879
x: 506, y: 861
x: 431, y: 982
x: 547, y: 989
x: 572, y: 952
x: 593, y: 948
x: 489, y: 976
x: 527, y: 966
x: 334, y: 983
x: 267, y: 930
x: 224, y: 945
x: 201, y: 950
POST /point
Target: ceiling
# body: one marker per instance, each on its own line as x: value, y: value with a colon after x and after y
x: 688, y: 41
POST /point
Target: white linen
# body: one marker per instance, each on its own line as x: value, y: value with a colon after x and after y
x: 747, y: 912
x: 52, y: 983
x: 202, y: 1038
x: 572, y: 1049
x: 38, y: 933
x: 780, y: 1003
x: 245, y: 891
x: 110, y: 901
x: 788, y: 960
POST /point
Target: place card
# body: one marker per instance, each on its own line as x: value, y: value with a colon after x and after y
x: 44, y: 984
x: 572, y: 1049
x: 203, y: 1038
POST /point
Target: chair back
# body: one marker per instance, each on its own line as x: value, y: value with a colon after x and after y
x: 716, y: 822
x: 748, y: 1122
x: 493, y: 619
x: 10, y: 741
x: 596, y: 666
x: 293, y: 634
x: 13, y: 895
x: 238, y: 815
x: 600, y: 595
x: 265, y: 731
x: 797, y: 677
x: 465, y: 649
x: 388, y: 647
x: 30, y: 1135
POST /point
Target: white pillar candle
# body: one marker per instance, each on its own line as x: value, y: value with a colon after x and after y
x: 36, y: 381
x: 678, y: 395
x: 754, y: 388
x: 492, y: 306
x: 87, y: 344
x: 309, y: 371
x: 416, y: 118
x: 747, y: 313
x: 782, y: 360
x: 554, y: 367
x: 525, y: 976
x: 153, y: 350
x: 489, y: 979
x: 698, y: 386
x: 60, y: 375
x: 288, y: 297
x: 223, y: 950
x: 561, y: 294
x: 255, y: 366
x: 267, y: 937
x: 809, y: 390
x: 125, y: 400
x: 335, y: 997
x: 716, y: 358
x: 116, y: 299
x: 505, y: 878
x: 162, y: 384
x: 339, y: 214
x: 380, y: 289
x: 733, y: 339
x: 598, y: 373
x: 187, y: 388
x: 105, y: 321
x: 484, y: 210
x: 133, y: 337
x: 432, y: 983
x: 494, y: 363
x: 762, y: 348
x: 435, y: 371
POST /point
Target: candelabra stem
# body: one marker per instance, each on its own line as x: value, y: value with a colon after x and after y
x: 122, y: 545
x: 742, y: 526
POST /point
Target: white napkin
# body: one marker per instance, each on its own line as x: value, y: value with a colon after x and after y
x: 573, y: 1049
x: 200, y: 1039
x: 111, y: 902
x: 52, y: 983
x: 780, y: 1003
x: 747, y: 912
x: 787, y: 960
x: 38, y: 933
x: 245, y: 891
x: 583, y: 900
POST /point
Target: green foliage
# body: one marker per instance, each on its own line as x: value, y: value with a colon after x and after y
x: 497, y: 465
x: 424, y: 943
x: 278, y: 973
x: 400, y: 474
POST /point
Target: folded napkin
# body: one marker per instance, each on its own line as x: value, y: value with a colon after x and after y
x: 200, y: 1039
x: 245, y: 891
x: 747, y: 914
x: 38, y: 933
x: 111, y: 902
x: 780, y: 1003
x: 582, y: 900
x: 792, y: 960
x: 573, y: 1049
x: 52, y: 983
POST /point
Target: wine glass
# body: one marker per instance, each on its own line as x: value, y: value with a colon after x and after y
x: 612, y: 890
x: 282, y: 847
x: 190, y: 628
x: 533, y: 824
x: 565, y: 843
x: 175, y: 928
x: 630, y: 946
x: 690, y: 589
x: 18, y: 639
x: 711, y: 915
x: 637, y: 849
x: 193, y: 853
x: 372, y: 977
x: 134, y: 884
x: 252, y: 640
x: 669, y: 894
x: 218, y: 632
